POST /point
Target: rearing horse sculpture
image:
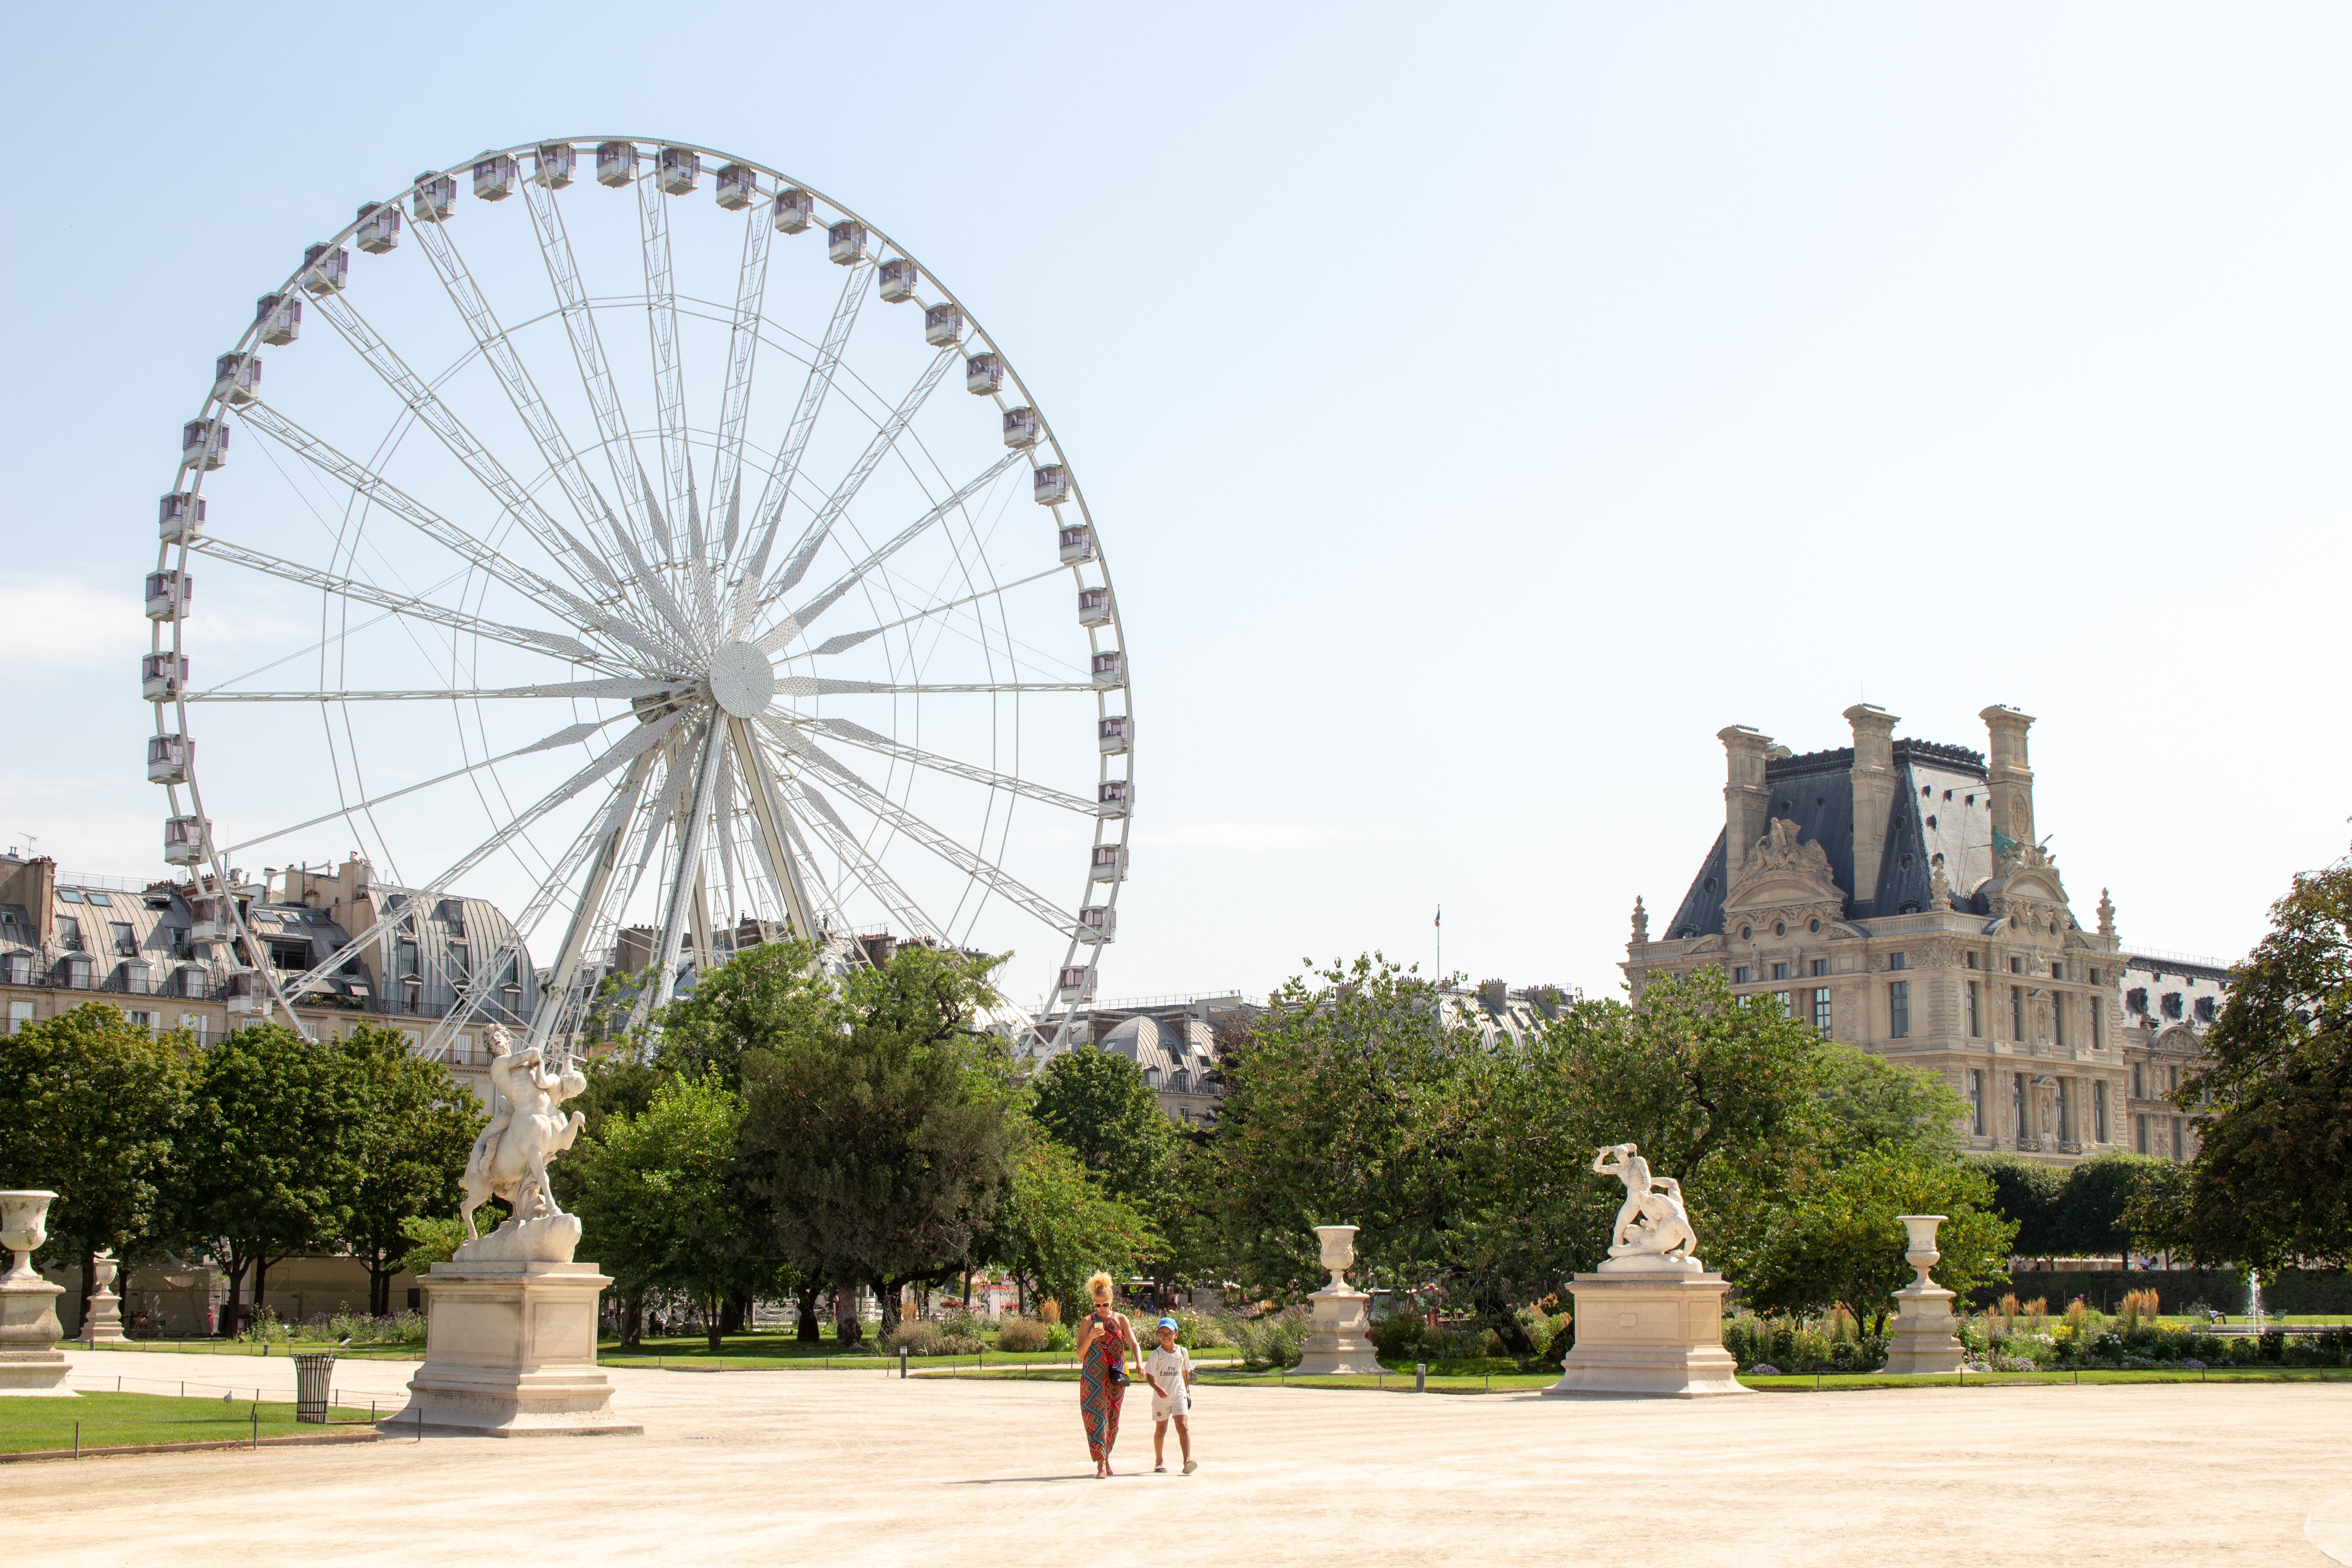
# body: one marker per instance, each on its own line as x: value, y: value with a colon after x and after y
x: 509, y: 1157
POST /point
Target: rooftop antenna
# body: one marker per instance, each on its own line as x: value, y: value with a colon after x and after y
x: 32, y: 846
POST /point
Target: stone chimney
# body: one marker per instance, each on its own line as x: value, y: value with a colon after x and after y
x: 1746, y: 804
x: 1873, y: 794
x: 2007, y: 773
x: 33, y: 882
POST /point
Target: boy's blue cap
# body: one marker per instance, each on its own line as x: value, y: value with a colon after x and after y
x: 1167, y: 1323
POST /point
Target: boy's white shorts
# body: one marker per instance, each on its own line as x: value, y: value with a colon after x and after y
x: 1180, y: 1402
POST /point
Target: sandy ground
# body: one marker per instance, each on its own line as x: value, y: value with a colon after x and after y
x: 847, y: 1468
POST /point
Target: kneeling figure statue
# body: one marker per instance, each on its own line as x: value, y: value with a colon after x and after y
x: 1652, y: 1228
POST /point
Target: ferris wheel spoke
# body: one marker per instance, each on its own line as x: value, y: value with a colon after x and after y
x: 476, y: 988
x: 769, y: 515
x: 402, y: 605
x: 776, y: 850
x: 860, y: 866
x: 664, y: 811
x: 603, y: 844
x: 585, y: 564
x: 859, y: 735
x: 617, y: 688
x: 735, y: 402
x: 791, y: 627
x: 587, y: 348
x: 669, y: 380
x: 372, y: 486
x: 820, y: 528
x: 819, y: 686
x: 848, y: 641
x: 569, y: 735
x: 627, y: 750
x: 686, y: 872
x: 874, y: 801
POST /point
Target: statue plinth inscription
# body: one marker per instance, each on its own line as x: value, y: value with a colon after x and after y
x: 1651, y: 1320
x: 511, y: 1320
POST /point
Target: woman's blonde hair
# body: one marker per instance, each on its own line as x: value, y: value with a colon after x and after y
x: 1098, y: 1283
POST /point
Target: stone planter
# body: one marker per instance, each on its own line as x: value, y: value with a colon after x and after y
x: 1922, y: 1342
x: 102, y: 1324
x: 1341, y: 1340
x: 30, y: 1363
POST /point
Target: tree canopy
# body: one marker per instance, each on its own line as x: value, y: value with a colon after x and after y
x: 2272, y: 1178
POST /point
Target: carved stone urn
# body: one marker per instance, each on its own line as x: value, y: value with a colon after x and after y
x: 102, y: 1324
x: 1922, y: 1340
x: 29, y: 1361
x: 1341, y: 1340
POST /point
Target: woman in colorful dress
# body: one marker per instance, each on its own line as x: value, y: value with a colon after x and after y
x: 1106, y: 1340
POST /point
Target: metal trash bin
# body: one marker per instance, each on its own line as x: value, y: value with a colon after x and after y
x: 314, y: 1382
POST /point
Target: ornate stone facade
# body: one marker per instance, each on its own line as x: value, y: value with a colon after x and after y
x: 1895, y: 895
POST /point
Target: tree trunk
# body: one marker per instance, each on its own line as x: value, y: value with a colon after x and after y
x: 809, y: 1332
x: 714, y: 1321
x: 260, y: 1281
x: 633, y: 1317
x: 234, y: 1304
x: 847, y: 1329
x: 735, y: 1313
x: 885, y: 1294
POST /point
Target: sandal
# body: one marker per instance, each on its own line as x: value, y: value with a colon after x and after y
x: 1191, y: 1465
x: 1158, y: 1470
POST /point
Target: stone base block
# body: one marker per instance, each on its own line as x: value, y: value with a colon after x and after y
x: 1341, y: 1342
x: 1921, y: 1341
x: 38, y: 1375
x: 1659, y: 1335
x: 511, y: 1352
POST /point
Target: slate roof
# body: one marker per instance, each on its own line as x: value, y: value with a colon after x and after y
x: 1942, y: 807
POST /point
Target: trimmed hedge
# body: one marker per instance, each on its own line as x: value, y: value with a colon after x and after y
x: 2290, y: 1292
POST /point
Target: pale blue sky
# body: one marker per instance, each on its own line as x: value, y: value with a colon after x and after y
x: 1481, y: 407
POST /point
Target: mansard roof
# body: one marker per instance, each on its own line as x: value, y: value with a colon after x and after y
x: 1942, y: 807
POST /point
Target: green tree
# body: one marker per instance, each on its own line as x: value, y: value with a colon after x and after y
x: 2032, y: 1194
x: 2094, y: 1208
x: 874, y: 1140
x: 1096, y: 1104
x: 416, y: 1127
x: 1343, y: 1105
x: 90, y: 1108
x: 1058, y: 1222
x: 769, y: 993
x: 1871, y: 1101
x: 1840, y: 1239
x: 1731, y: 1097
x: 2272, y: 1178
x: 657, y: 1203
x: 268, y: 1164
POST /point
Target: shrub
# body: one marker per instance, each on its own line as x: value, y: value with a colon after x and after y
x: 1273, y: 1339
x: 1194, y: 1331
x: 1023, y: 1336
x: 921, y: 1336
x: 1404, y: 1339
x: 1049, y: 1312
x: 1058, y: 1338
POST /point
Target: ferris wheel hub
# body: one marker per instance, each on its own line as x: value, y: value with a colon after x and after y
x: 742, y: 681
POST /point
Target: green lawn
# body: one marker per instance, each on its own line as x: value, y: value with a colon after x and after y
x: 279, y: 1349
x: 108, y: 1419
x: 1807, y: 1383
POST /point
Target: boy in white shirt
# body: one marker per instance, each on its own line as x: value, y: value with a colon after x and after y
x: 1168, y: 1370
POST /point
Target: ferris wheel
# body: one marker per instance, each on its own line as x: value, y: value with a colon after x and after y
x: 616, y: 552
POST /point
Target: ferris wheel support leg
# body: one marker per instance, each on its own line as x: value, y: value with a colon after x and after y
x: 783, y: 869
x: 683, y: 881
x: 554, y: 996
x: 698, y: 921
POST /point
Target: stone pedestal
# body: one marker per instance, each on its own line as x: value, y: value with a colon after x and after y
x: 1341, y: 1340
x: 1655, y: 1331
x: 1923, y: 1338
x: 102, y: 1324
x: 511, y: 1352
x: 30, y: 1362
